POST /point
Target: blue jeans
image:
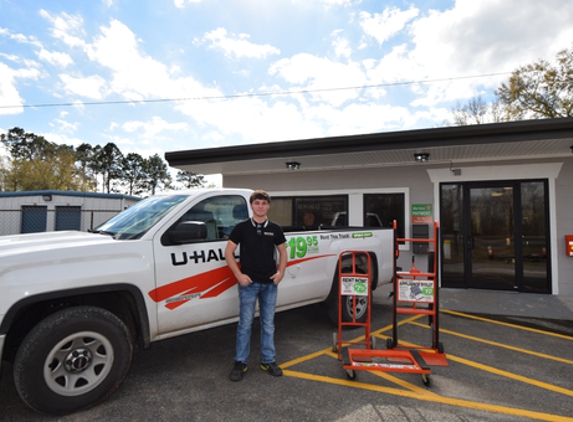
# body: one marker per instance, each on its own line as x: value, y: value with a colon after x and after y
x: 267, y: 296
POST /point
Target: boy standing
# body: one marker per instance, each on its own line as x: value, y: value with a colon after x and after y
x: 258, y: 279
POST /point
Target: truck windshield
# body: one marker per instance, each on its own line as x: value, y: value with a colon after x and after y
x: 134, y: 222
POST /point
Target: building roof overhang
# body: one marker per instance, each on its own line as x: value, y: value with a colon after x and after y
x: 529, y: 139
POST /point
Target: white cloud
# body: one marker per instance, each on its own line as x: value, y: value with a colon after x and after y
x: 383, y: 26
x: 327, y: 3
x: 20, y: 38
x: 342, y: 47
x: 317, y: 73
x: 55, y: 58
x: 253, y: 119
x: 152, y: 128
x: 67, y: 28
x: 181, y: 3
x: 490, y: 36
x: 473, y: 38
x: 79, y: 105
x: 61, y: 138
x: 62, y: 125
x: 135, y: 75
x: 238, y: 45
x: 93, y: 87
x: 9, y: 95
x: 11, y: 57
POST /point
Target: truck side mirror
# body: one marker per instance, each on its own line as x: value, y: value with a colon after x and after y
x: 187, y: 232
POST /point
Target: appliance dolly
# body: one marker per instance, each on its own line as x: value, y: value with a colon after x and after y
x: 414, y: 288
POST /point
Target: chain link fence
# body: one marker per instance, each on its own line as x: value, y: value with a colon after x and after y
x: 34, y: 219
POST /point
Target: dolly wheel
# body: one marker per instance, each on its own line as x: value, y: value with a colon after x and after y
x: 426, y: 379
x: 351, y: 374
x: 390, y: 343
x: 440, y: 347
x: 372, y: 341
x: 335, y: 342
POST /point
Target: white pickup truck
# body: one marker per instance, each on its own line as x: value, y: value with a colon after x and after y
x: 73, y: 304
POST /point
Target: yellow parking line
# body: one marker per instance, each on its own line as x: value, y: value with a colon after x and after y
x: 506, y: 374
x: 398, y: 381
x: 305, y: 358
x: 412, y: 391
x: 520, y: 327
x: 511, y: 375
x: 501, y: 345
x: 434, y: 398
x: 329, y: 350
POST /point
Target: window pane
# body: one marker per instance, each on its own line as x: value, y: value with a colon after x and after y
x: 534, y: 236
x: 383, y: 208
x: 220, y: 214
x: 451, y: 227
x: 318, y: 211
x: 308, y: 211
x: 281, y: 211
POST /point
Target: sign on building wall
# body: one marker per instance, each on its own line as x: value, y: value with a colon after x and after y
x: 422, y: 214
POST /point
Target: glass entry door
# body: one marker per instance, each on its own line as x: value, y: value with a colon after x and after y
x: 495, y: 236
x: 490, y: 238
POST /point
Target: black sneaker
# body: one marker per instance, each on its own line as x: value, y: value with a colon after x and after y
x: 238, y: 371
x: 272, y: 368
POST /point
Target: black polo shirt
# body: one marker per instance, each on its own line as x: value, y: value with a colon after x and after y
x: 258, y: 246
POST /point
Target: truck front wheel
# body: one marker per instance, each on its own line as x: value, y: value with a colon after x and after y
x: 73, y: 359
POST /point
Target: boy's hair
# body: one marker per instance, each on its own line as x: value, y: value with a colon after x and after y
x: 259, y: 194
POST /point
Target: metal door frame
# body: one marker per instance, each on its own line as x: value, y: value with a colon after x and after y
x: 518, y: 232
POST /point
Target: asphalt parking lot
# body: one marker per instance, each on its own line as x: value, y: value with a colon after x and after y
x: 500, y: 369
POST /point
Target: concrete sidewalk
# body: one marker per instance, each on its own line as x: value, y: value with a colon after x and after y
x: 493, y: 302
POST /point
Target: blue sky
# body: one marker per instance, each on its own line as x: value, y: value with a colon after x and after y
x: 167, y: 75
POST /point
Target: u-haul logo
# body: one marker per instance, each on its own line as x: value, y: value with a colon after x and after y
x: 197, y: 257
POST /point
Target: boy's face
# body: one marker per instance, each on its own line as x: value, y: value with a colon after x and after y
x: 260, y: 207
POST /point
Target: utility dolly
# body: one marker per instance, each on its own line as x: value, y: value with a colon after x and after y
x: 415, y: 293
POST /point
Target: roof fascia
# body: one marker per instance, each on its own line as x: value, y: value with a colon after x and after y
x: 420, y: 138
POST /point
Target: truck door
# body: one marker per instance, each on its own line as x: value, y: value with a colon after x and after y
x: 195, y: 287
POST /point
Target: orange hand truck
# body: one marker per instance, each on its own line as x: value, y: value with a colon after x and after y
x: 420, y: 291
x: 354, y: 291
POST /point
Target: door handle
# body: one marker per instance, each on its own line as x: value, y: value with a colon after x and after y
x: 470, y: 242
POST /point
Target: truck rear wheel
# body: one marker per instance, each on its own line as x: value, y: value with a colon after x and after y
x: 73, y: 359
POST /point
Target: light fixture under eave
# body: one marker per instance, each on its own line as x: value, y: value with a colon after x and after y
x: 47, y: 198
x: 421, y: 157
x: 292, y: 165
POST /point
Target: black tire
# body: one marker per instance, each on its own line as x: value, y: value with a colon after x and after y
x: 72, y: 360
